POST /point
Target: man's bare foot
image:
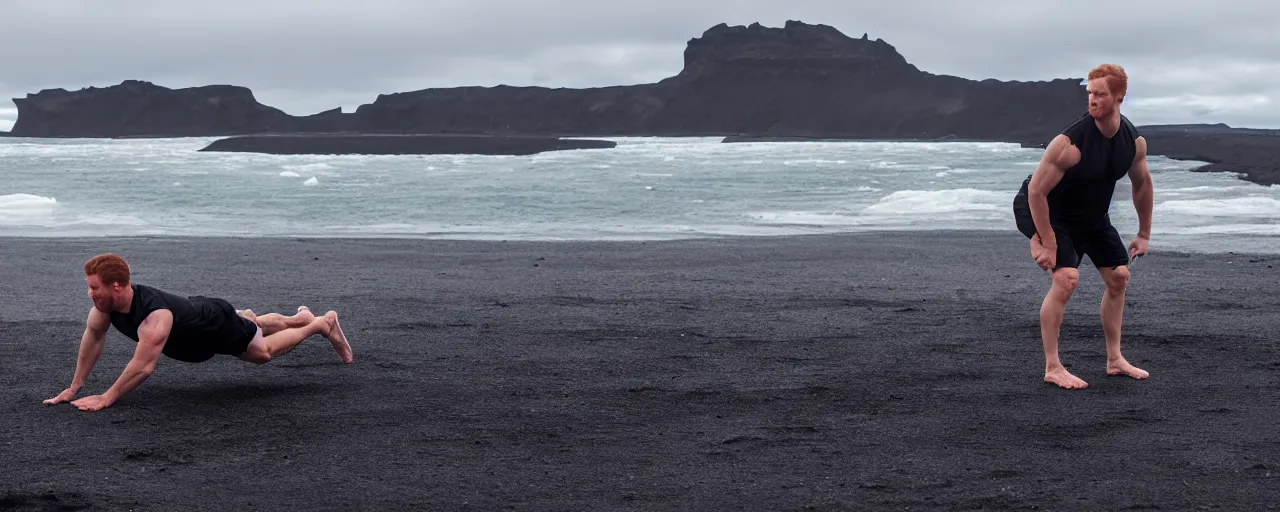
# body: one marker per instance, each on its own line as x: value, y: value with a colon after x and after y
x: 1064, y: 379
x: 337, y: 338
x: 1122, y: 367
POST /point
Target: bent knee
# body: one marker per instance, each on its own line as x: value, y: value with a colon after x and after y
x: 1066, y: 278
x: 256, y: 355
x: 1119, y: 279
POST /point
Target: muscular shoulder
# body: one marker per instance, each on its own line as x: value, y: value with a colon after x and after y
x: 1131, y: 133
x: 98, y: 321
x: 1140, y: 149
x: 1062, y: 152
x: 157, y: 324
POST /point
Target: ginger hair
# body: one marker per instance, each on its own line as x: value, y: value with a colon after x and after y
x: 1116, y: 78
x: 110, y: 268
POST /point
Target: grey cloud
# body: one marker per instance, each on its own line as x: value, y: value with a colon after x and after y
x: 1194, y: 63
x: 7, y: 117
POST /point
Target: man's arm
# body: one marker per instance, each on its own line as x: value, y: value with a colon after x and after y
x: 1058, y: 157
x: 91, y: 343
x: 1143, y: 191
x: 152, y: 335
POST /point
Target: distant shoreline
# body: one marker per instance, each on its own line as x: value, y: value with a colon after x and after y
x: 490, y: 244
x: 396, y: 144
x: 1251, y: 153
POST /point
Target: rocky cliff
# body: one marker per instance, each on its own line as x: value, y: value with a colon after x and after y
x: 136, y: 108
x: 797, y: 80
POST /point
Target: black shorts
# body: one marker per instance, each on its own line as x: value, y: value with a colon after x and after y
x: 1101, y: 243
x: 223, y: 332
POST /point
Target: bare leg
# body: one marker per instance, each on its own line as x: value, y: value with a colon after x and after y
x: 1112, y: 311
x: 263, y: 349
x: 1051, y: 312
x: 272, y: 323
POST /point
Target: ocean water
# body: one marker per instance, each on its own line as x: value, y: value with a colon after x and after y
x: 645, y: 189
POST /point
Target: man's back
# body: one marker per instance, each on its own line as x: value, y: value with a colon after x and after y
x: 198, y: 321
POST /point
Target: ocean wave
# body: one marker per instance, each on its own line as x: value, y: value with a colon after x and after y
x: 932, y: 202
x: 23, y: 209
x: 1248, y: 206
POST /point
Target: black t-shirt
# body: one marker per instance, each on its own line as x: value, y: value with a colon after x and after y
x: 202, y: 326
x: 1083, y: 197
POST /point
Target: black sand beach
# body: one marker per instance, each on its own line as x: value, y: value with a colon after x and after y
x: 853, y: 372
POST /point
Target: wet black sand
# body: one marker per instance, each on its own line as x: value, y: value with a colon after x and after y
x: 854, y: 372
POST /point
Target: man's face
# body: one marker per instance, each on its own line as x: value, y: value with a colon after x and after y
x: 1101, y: 103
x: 103, y: 295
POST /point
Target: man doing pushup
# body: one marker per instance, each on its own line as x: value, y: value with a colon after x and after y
x: 192, y: 329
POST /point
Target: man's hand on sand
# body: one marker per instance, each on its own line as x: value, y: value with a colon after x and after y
x: 92, y: 403
x: 65, y: 396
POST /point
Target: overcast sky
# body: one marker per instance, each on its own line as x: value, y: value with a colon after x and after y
x: 1192, y: 64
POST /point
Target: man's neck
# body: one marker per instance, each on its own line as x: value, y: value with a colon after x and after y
x: 1110, y: 125
x: 128, y: 299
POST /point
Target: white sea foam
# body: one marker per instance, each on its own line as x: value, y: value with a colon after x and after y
x: 290, y: 174
x: 1226, y: 229
x: 103, y: 219
x: 312, y: 167
x: 23, y: 201
x: 814, y: 161
x: 924, y: 202
x: 815, y: 219
x: 1248, y: 206
x: 1206, y: 188
x: 24, y: 209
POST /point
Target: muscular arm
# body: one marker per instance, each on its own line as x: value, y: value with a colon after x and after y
x: 91, y: 343
x: 1143, y: 191
x: 152, y: 335
x: 1058, y: 157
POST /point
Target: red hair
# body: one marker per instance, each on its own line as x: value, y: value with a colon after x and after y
x: 108, y: 267
x: 1117, y: 80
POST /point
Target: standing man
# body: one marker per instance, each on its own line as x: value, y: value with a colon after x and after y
x: 191, y: 329
x: 1064, y: 209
